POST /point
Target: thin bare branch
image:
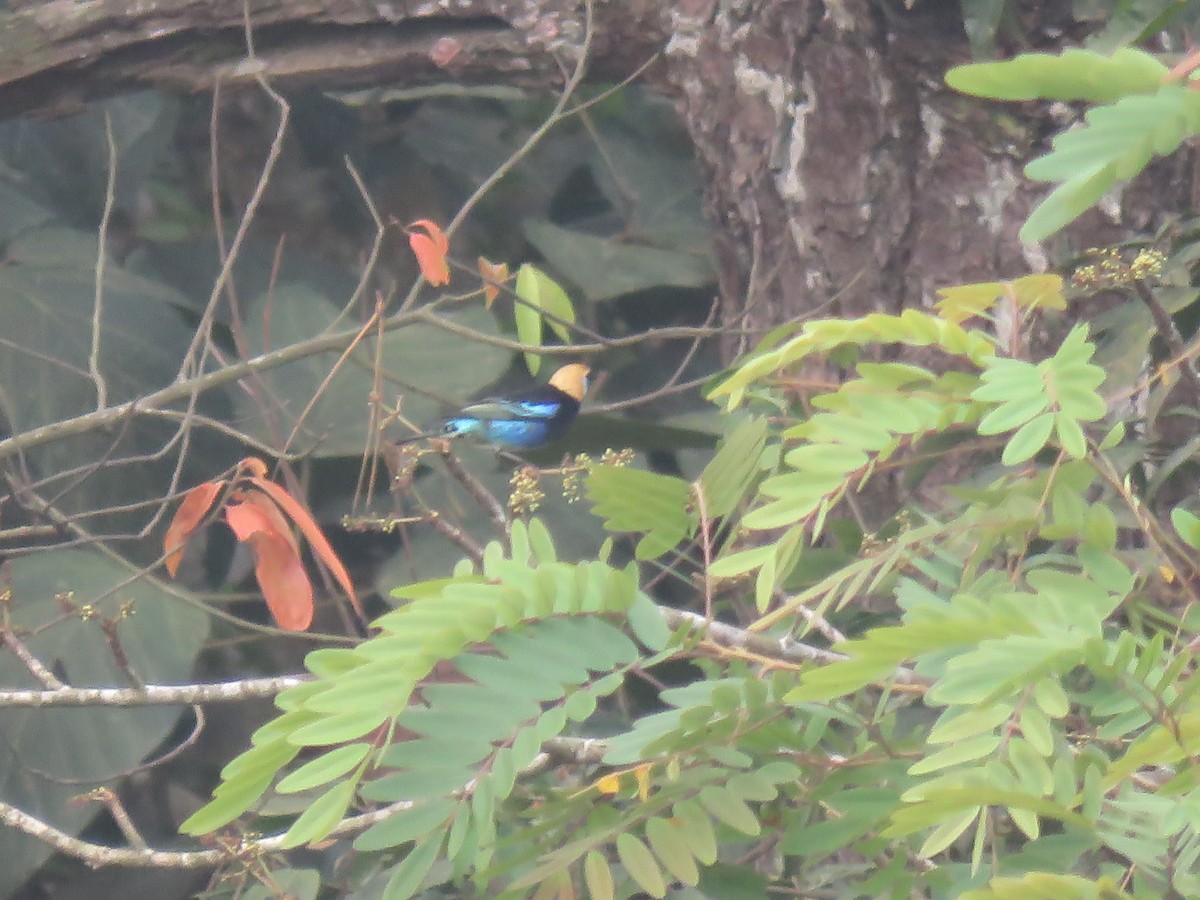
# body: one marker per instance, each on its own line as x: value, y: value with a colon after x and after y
x: 152, y: 694
x: 110, y: 189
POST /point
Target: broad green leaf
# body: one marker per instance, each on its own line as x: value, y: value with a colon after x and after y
x: 48, y: 282
x: 605, y: 268
x: 545, y: 301
x: 647, y: 172
x: 160, y: 634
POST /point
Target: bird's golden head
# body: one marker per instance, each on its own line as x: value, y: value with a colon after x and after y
x: 572, y: 380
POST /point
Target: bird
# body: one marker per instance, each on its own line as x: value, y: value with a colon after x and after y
x: 524, y: 420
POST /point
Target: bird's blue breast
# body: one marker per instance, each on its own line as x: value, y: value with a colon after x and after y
x: 522, y: 433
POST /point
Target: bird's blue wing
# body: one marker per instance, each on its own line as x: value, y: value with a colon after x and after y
x: 499, y: 408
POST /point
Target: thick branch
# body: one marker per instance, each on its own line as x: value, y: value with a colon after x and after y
x: 55, y: 55
x: 153, y: 694
x: 784, y: 649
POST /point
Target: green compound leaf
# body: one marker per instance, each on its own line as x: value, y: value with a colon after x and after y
x: 1116, y: 144
x: 634, y: 500
x: 1071, y: 75
x: 244, y: 780
x: 1039, y: 400
x: 960, y: 302
x: 731, y: 471
x: 911, y: 327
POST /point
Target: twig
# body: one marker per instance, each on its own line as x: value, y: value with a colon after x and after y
x: 493, y: 507
x: 152, y: 694
x: 182, y: 390
x: 117, y: 810
x: 31, y: 662
x: 1165, y: 326
x: 109, y: 627
x: 705, y: 545
x: 191, y: 358
x: 97, y: 376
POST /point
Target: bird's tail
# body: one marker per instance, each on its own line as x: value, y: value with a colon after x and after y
x: 413, y: 438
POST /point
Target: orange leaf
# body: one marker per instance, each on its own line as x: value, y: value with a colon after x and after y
x: 191, y: 513
x: 277, y: 566
x: 494, y: 275
x: 430, y: 249
x: 314, y: 536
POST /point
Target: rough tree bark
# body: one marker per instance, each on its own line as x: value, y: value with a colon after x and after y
x: 839, y: 168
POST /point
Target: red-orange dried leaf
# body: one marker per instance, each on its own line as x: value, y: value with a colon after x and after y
x: 443, y: 51
x: 191, y: 512
x: 315, y: 537
x: 494, y: 275
x: 277, y: 566
x: 430, y: 249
